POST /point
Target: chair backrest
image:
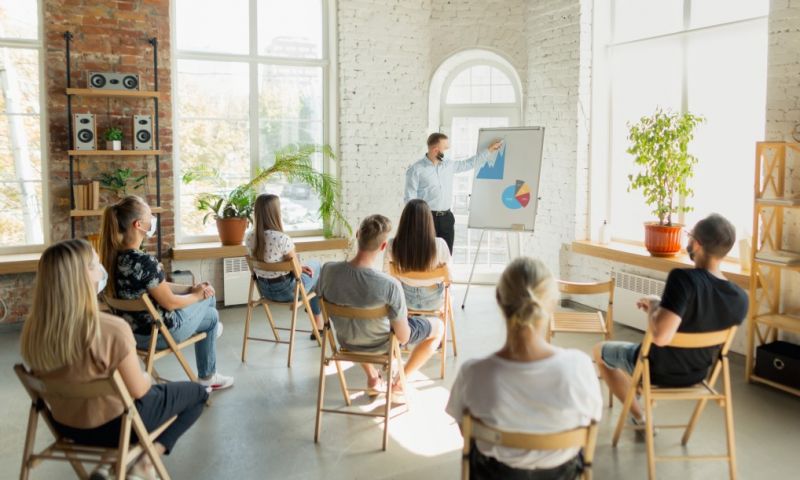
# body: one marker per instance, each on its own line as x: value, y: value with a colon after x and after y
x: 354, y: 313
x: 438, y: 274
x: 585, y: 288
x: 39, y: 388
x: 292, y: 265
x: 141, y: 304
x: 719, y: 338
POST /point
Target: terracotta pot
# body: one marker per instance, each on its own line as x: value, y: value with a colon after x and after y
x: 662, y: 240
x: 231, y: 230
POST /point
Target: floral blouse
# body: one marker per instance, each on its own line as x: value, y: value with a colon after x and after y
x: 136, y: 273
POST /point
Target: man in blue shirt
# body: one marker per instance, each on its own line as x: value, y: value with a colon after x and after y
x: 431, y: 179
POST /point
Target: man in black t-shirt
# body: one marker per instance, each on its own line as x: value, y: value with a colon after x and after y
x: 695, y: 300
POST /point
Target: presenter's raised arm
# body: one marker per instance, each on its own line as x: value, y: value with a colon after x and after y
x: 412, y: 185
x: 481, y: 157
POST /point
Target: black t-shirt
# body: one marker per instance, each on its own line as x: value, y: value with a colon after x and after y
x: 136, y: 273
x: 705, y: 303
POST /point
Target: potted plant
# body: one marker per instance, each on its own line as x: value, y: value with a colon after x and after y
x: 659, y: 145
x: 233, y: 210
x: 120, y: 180
x: 113, y: 138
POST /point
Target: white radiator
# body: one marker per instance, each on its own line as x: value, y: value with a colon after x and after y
x: 628, y: 289
x: 236, y: 280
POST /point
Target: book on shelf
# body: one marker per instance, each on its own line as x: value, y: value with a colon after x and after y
x: 86, y: 195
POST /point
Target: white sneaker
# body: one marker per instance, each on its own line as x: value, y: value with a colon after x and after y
x: 219, y: 329
x: 216, y: 382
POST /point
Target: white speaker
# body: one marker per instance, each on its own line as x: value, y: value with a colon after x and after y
x: 113, y: 81
x: 142, y: 132
x: 84, y: 132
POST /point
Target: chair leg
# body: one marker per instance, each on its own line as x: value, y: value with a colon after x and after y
x: 320, y: 390
x: 648, y: 412
x: 726, y: 382
x: 124, y: 444
x: 452, y: 322
x: 307, y: 305
x: 181, y: 358
x: 247, y: 319
x: 626, y: 405
x: 271, y: 322
x: 151, y: 351
x: 698, y: 409
x: 80, y: 471
x: 389, y: 393
x: 294, y: 325
x: 30, y: 440
x: 443, y: 345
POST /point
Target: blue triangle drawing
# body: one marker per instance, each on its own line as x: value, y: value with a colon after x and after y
x: 494, y: 170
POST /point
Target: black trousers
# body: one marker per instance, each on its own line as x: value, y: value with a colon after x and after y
x: 445, y: 226
x: 184, y: 399
x: 482, y: 467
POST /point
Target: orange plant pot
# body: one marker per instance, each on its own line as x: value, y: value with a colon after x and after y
x: 231, y: 230
x: 662, y: 240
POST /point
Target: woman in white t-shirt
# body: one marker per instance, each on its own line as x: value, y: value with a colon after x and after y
x: 416, y: 248
x: 528, y: 386
x: 268, y: 243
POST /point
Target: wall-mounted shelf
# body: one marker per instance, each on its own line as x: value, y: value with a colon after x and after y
x: 98, y: 213
x: 94, y: 92
x: 113, y: 153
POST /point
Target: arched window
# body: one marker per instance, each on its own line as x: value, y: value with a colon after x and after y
x: 471, y: 90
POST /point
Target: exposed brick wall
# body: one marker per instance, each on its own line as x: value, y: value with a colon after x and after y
x: 109, y: 35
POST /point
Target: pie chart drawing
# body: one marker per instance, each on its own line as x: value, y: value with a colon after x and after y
x: 516, y: 196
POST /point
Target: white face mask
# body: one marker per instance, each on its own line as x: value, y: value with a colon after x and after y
x: 153, y: 227
x: 101, y: 284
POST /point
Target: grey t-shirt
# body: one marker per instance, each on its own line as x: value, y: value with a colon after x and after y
x: 346, y: 285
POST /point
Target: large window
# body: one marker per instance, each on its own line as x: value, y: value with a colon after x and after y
x: 707, y: 57
x: 251, y: 78
x: 21, y: 127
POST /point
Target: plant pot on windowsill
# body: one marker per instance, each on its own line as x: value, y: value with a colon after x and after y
x: 114, y: 145
x: 231, y: 230
x: 662, y: 240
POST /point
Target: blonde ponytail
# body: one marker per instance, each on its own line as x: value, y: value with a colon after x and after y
x: 526, y: 293
x: 117, y: 219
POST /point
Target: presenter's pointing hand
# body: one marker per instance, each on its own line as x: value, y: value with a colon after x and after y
x: 495, y: 145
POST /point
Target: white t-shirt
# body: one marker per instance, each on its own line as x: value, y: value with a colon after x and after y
x: 552, y: 395
x: 442, y: 257
x: 278, y: 245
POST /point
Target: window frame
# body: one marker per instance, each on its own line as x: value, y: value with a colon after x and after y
x: 253, y: 60
x: 600, y: 149
x: 36, y: 44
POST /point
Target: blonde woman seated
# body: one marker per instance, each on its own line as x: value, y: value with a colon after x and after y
x: 66, y: 338
x: 528, y: 386
x: 416, y: 248
x: 268, y: 243
x: 132, y: 273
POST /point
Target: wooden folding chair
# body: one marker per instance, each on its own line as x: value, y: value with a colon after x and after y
x: 301, y: 300
x: 77, y: 455
x: 581, y: 437
x: 384, y: 361
x: 703, y: 392
x: 585, y: 322
x: 441, y: 275
x: 149, y: 356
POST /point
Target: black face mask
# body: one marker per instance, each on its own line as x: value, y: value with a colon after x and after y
x: 440, y: 155
x: 690, y: 251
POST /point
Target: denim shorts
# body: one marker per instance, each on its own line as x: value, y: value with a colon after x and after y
x: 424, y: 298
x: 421, y: 328
x: 621, y: 355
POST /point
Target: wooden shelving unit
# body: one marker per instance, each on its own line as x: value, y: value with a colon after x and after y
x: 73, y: 154
x: 770, y: 261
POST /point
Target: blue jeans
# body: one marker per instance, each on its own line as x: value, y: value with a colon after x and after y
x: 200, y: 317
x: 283, y: 291
x: 424, y: 298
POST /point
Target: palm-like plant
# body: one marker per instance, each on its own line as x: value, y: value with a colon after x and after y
x: 293, y: 163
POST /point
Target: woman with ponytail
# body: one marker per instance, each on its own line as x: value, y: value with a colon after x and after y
x: 132, y: 273
x: 66, y: 338
x: 529, y: 385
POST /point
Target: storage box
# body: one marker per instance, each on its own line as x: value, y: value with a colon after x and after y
x: 780, y: 362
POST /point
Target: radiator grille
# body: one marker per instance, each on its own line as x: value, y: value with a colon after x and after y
x: 638, y: 284
x: 236, y: 264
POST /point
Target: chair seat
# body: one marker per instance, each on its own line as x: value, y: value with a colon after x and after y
x: 579, y: 322
x: 700, y: 390
x: 289, y: 304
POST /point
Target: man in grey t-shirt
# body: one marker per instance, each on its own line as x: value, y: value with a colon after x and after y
x: 356, y: 284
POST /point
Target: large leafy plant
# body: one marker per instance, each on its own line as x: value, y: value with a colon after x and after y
x: 293, y: 163
x: 659, y: 145
x: 120, y: 180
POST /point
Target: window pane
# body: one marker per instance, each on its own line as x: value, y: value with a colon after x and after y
x: 212, y: 25
x: 644, y: 76
x: 21, y: 213
x: 503, y: 94
x: 19, y: 92
x: 481, y: 84
x: 480, y: 75
x: 710, y: 12
x: 214, y: 133
x: 19, y: 19
x: 290, y: 112
x: 290, y: 29
x: 722, y: 64
x: 646, y: 18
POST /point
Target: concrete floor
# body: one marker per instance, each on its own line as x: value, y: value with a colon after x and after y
x: 263, y: 427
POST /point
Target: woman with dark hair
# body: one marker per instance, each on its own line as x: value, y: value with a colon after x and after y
x: 416, y: 248
x: 267, y: 242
